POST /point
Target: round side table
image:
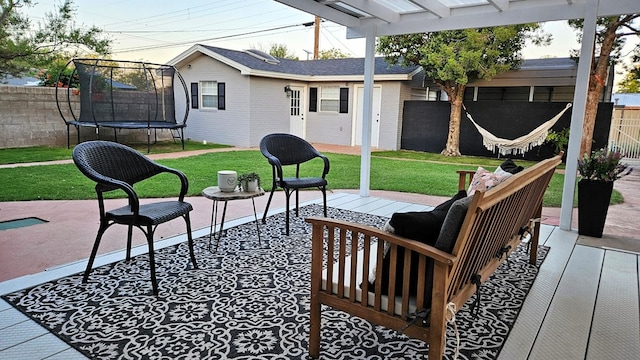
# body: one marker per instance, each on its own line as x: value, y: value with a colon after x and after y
x: 214, y: 193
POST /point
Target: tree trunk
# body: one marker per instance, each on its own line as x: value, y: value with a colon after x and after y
x: 597, y: 81
x: 453, y: 138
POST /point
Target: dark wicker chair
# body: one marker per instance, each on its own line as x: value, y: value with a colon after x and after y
x: 117, y: 167
x: 286, y: 149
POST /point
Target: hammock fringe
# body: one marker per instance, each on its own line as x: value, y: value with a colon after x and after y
x: 521, y: 144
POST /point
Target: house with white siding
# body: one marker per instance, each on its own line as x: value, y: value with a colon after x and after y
x: 237, y: 97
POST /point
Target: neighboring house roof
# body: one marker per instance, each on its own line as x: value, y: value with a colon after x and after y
x: 309, y: 70
x: 20, y: 81
x: 548, y: 63
x: 31, y: 81
x: 630, y: 99
x: 535, y: 72
x: 122, y: 86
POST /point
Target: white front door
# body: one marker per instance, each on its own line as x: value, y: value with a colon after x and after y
x: 375, y: 122
x: 296, y: 111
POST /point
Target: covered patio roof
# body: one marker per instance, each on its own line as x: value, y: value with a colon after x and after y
x: 372, y: 18
x: 395, y: 17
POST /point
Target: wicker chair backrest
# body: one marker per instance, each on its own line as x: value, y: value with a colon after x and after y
x: 102, y: 161
x: 289, y: 149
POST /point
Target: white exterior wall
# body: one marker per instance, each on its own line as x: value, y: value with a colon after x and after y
x: 219, y: 126
x: 390, y: 115
x: 336, y: 128
x: 269, y: 108
x: 405, y: 94
x: 329, y: 127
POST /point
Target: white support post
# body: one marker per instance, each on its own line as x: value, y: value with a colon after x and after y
x: 577, y: 114
x: 367, y: 112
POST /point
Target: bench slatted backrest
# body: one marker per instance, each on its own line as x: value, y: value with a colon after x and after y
x: 493, y: 222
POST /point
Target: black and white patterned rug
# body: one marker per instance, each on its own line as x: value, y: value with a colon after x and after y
x: 247, y: 302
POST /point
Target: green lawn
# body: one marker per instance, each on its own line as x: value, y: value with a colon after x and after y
x: 402, y: 171
x: 44, y: 153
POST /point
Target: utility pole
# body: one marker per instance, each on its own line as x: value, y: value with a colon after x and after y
x: 316, y: 38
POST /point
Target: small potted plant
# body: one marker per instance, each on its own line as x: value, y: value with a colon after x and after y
x: 249, y: 182
x: 598, y: 171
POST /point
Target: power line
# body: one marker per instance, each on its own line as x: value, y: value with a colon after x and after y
x: 209, y: 39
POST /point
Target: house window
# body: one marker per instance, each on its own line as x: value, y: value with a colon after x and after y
x: 209, y: 94
x: 212, y: 95
x: 334, y: 99
x: 329, y: 98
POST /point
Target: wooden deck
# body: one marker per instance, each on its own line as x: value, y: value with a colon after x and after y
x: 584, y: 303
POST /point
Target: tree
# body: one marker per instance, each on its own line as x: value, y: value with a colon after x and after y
x: 333, y: 53
x: 453, y: 58
x: 610, y: 33
x: 281, y: 51
x: 24, y: 46
x: 631, y: 81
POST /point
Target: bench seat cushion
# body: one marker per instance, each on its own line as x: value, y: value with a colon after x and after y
x: 452, y: 224
x: 347, y: 283
x: 423, y: 226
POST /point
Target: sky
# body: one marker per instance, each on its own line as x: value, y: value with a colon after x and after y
x: 159, y: 30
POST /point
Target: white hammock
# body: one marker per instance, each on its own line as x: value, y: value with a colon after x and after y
x: 522, y: 144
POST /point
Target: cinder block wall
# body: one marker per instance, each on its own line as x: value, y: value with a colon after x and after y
x: 29, y: 116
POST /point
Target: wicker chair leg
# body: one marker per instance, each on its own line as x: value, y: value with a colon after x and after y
x: 288, y: 196
x: 264, y: 215
x: 94, y: 251
x: 324, y: 199
x: 129, y: 236
x: 187, y: 219
x: 297, y: 201
x: 152, y: 261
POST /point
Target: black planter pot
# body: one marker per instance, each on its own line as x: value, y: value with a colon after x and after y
x: 593, y: 203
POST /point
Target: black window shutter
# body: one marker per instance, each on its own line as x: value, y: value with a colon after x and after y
x: 313, y: 99
x: 221, y: 97
x: 194, y: 95
x: 344, y: 100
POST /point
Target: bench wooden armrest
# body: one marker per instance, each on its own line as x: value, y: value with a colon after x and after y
x: 427, y: 250
x: 464, y: 178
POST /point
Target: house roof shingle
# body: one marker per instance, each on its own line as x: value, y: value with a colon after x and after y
x: 332, y: 67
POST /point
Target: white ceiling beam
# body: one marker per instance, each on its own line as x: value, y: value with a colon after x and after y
x: 433, y: 6
x: 423, y: 22
x: 618, y: 7
x: 375, y: 9
x: 325, y: 12
x: 437, y: 17
x: 500, y: 5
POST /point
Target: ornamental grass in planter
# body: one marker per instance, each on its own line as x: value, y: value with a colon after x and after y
x: 598, y: 171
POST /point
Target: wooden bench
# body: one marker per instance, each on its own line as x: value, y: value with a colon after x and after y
x: 492, y: 227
